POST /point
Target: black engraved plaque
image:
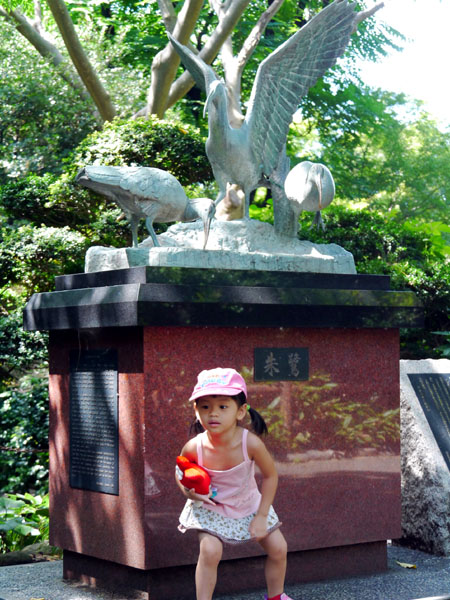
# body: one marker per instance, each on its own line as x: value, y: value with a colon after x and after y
x: 281, y: 364
x: 433, y: 393
x: 94, y: 430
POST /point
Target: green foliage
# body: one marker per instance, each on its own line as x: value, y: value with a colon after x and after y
x: 55, y: 202
x: 179, y: 149
x: 401, y: 167
x: 25, y: 5
x: 369, y: 236
x: 27, y: 198
x: 32, y: 256
x: 24, y: 519
x: 444, y: 348
x: 38, y: 110
x: 20, y: 350
x: 414, y: 255
x: 24, y: 435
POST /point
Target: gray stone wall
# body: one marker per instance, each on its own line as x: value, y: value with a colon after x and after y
x: 425, y: 475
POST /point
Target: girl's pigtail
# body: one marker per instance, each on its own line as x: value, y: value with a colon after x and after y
x: 196, y: 427
x: 258, y: 424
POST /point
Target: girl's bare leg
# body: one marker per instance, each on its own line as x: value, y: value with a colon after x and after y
x: 275, y: 570
x: 208, y: 561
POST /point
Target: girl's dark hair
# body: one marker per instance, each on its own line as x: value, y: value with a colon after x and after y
x: 258, y: 424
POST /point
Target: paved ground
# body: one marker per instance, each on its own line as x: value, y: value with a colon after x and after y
x: 431, y: 580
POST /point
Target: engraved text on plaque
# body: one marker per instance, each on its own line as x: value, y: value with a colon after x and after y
x: 94, y: 432
x: 433, y: 393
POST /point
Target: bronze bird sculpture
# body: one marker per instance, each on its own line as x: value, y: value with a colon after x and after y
x: 254, y: 155
x: 146, y: 192
x: 309, y: 186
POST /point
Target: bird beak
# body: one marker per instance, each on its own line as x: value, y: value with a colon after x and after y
x: 212, y: 90
x: 206, y: 226
x: 207, y: 101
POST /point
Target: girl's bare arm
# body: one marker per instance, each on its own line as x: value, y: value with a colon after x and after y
x: 190, y: 452
x: 263, y: 459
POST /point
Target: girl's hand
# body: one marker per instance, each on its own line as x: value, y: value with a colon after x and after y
x: 258, y: 527
x: 199, y: 497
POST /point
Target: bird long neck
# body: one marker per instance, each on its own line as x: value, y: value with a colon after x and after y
x: 234, y: 112
x: 191, y: 212
x: 218, y: 122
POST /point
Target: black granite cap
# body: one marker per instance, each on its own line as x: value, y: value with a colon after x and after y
x: 224, y: 277
x: 144, y: 296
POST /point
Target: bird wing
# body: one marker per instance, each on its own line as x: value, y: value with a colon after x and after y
x: 142, y: 182
x: 201, y: 73
x: 287, y: 74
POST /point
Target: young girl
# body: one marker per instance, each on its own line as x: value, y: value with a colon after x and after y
x: 235, y: 511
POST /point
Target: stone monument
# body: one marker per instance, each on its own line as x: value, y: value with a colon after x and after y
x: 317, y: 343
x: 425, y: 414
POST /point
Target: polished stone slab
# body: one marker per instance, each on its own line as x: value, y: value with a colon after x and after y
x: 224, y: 277
x: 335, y: 490
x: 273, y: 302
x: 236, y: 577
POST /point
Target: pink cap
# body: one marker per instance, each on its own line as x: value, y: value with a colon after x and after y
x: 219, y: 382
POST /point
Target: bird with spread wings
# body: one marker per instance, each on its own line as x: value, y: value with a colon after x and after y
x: 254, y: 155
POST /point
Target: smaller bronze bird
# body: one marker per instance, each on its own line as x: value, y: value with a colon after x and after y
x: 309, y: 186
x: 146, y: 192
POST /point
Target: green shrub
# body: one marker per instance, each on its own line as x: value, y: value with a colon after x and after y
x: 179, y: 149
x: 33, y: 256
x: 20, y: 350
x: 24, y: 435
x: 32, y: 199
x: 415, y: 258
x: 24, y: 520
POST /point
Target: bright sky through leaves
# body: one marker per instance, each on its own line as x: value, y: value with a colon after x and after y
x: 421, y: 70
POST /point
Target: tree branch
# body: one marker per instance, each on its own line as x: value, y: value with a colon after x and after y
x: 166, y: 62
x: 254, y: 37
x: 365, y: 14
x: 211, y: 49
x: 37, y: 24
x: 47, y: 50
x: 234, y: 66
x: 79, y: 58
x: 169, y: 16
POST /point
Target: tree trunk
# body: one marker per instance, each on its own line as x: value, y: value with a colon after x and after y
x: 234, y: 65
x: 211, y: 49
x: 166, y: 62
x: 84, y: 68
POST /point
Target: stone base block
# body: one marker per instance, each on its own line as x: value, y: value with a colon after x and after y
x: 243, y: 244
x: 234, y: 576
x: 314, y: 258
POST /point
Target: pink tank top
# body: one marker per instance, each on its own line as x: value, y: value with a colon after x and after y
x: 237, y: 493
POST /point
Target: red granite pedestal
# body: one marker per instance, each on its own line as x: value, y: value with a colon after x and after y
x: 334, y: 437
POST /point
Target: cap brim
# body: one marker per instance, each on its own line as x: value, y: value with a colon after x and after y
x: 216, y: 391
